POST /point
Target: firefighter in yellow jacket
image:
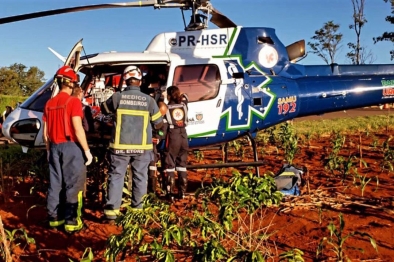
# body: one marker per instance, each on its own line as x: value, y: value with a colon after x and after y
x: 131, y: 140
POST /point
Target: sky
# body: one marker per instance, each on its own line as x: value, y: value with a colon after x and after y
x: 131, y: 29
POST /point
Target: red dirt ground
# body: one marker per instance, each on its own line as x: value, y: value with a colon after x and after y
x: 299, y: 222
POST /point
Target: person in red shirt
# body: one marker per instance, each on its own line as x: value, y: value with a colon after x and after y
x: 68, y: 153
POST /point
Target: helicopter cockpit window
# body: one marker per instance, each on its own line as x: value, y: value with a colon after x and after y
x: 37, y: 101
x: 199, y: 82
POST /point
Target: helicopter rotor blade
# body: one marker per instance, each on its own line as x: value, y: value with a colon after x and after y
x: 217, y: 18
x: 143, y: 3
x: 221, y: 20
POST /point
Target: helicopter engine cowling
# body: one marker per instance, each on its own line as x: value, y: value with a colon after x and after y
x: 271, y: 53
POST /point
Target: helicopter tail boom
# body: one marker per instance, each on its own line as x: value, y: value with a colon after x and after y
x: 319, y: 95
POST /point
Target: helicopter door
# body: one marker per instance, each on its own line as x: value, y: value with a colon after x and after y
x: 74, y: 56
x: 201, y: 83
x: 72, y: 61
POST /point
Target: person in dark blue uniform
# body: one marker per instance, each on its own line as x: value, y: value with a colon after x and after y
x: 131, y: 140
x: 177, y: 145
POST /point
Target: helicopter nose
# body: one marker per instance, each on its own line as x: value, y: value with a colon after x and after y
x: 5, y: 128
x: 21, y: 131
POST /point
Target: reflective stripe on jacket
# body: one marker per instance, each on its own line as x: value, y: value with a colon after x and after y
x: 135, y: 112
x: 176, y: 115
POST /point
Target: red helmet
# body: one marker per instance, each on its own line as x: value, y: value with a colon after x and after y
x: 67, y: 72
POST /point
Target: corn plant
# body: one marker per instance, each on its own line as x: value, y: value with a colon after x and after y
x: 361, y: 180
x: 309, y: 136
x: 212, y: 250
x: 388, y: 155
x: 347, y: 166
x: 239, y: 149
x: 14, y: 238
x: 343, y: 166
x: 293, y: 255
x: 320, y: 211
x: 273, y: 137
x: 334, y: 160
x: 336, y: 241
x: 87, y: 256
x: 244, y: 192
x: 247, y: 193
x: 263, y: 138
x: 289, y: 141
x: 157, y: 232
x: 360, y: 131
x: 375, y: 142
x: 155, y: 220
x: 377, y: 184
x: 127, y: 188
x: 199, y: 155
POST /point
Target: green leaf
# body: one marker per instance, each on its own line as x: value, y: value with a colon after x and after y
x: 89, y: 255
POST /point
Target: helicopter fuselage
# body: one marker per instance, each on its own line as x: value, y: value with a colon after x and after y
x: 239, y: 80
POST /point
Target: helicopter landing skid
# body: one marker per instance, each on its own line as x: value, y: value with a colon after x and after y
x: 224, y: 148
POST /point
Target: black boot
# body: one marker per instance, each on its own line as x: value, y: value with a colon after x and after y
x: 182, y: 185
x: 73, y: 220
x: 170, y: 186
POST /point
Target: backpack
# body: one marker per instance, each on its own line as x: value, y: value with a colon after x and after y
x: 289, y: 179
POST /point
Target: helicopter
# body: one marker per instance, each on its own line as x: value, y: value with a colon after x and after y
x: 239, y: 80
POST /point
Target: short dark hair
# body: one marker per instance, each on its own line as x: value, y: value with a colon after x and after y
x: 76, y: 91
x: 131, y: 80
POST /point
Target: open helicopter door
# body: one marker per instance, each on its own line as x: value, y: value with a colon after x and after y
x: 202, y: 84
x: 72, y: 61
x: 74, y: 56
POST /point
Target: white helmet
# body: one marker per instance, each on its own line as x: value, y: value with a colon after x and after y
x: 132, y: 72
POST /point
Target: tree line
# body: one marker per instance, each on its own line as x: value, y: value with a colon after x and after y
x: 19, y: 80
x: 328, y: 40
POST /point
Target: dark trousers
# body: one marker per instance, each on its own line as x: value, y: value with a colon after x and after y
x: 175, y: 156
x: 152, y: 172
x: 139, y: 165
x: 67, y: 176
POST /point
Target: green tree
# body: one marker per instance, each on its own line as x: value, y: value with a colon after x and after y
x: 359, y: 54
x: 8, y: 81
x: 387, y: 36
x: 327, y: 42
x: 19, y: 80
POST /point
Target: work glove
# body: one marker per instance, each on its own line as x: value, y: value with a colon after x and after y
x: 48, y: 155
x: 89, y: 157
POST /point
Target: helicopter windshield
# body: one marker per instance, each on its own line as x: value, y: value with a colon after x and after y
x: 40, y: 97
